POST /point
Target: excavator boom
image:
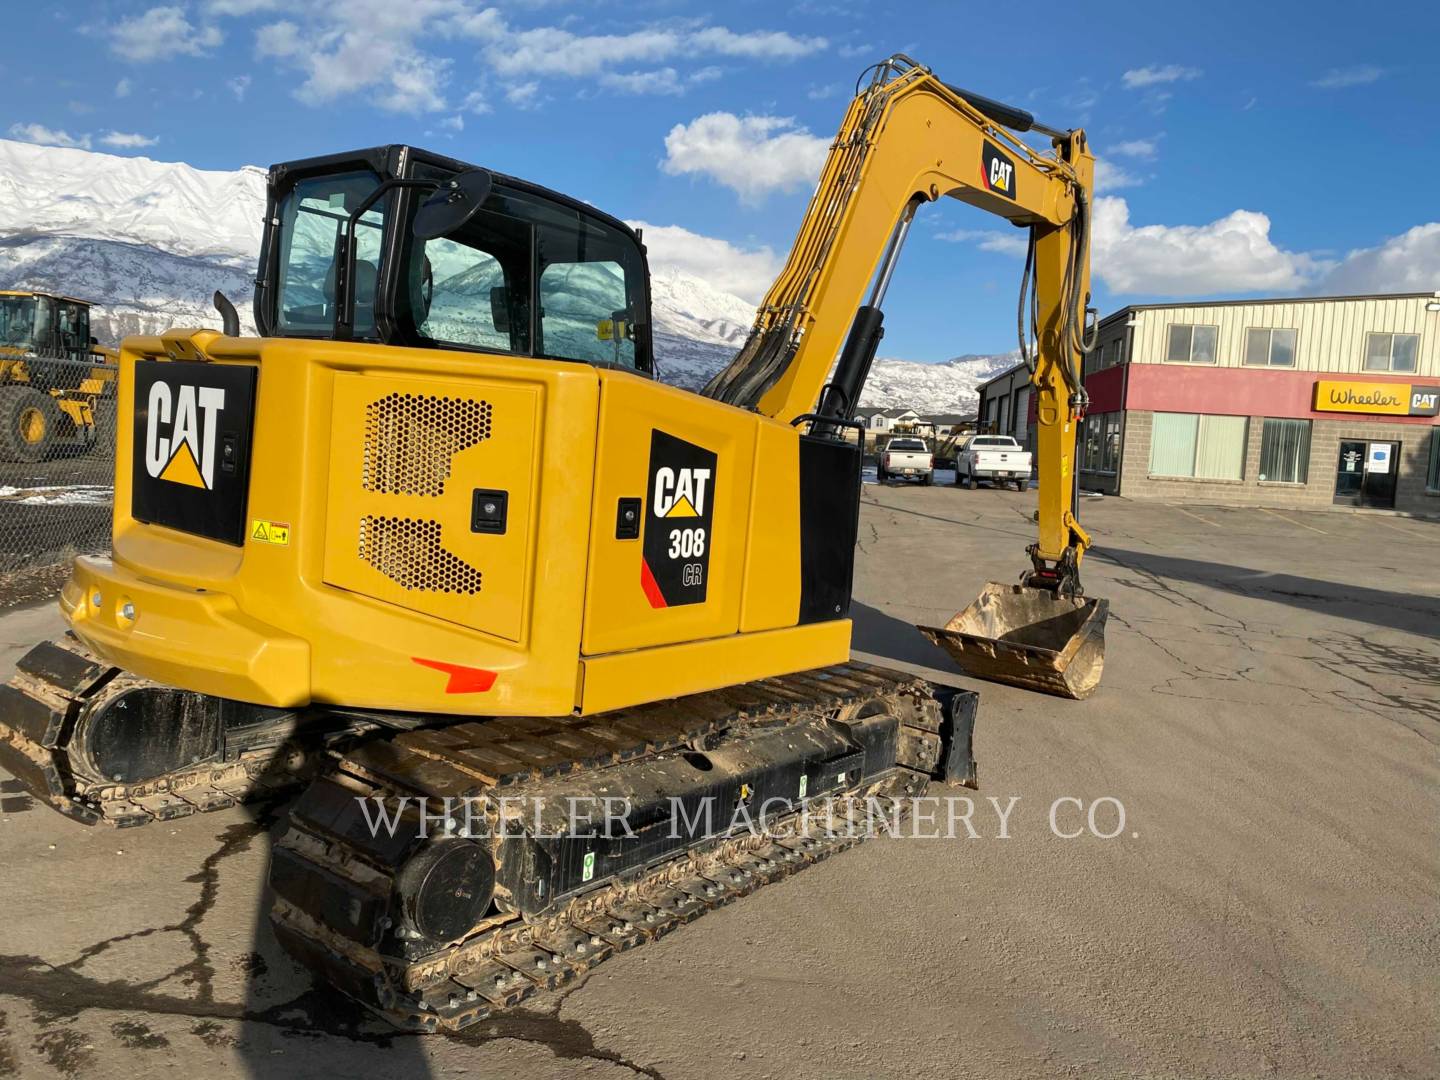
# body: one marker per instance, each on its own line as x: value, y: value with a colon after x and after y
x: 906, y: 140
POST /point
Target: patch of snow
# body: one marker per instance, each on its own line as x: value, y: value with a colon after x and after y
x: 59, y: 495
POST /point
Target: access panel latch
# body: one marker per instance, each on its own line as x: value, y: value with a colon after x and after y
x: 488, y: 510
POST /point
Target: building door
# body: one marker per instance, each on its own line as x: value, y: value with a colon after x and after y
x: 1366, y: 473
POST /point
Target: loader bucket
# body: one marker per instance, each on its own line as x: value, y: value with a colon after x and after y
x: 1030, y: 638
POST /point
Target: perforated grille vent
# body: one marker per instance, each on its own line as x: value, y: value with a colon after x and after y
x: 410, y: 439
x: 410, y: 554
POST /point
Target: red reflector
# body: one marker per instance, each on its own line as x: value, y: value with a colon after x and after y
x: 463, y: 680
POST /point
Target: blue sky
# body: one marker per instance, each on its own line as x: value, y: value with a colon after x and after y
x: 1249, y: 148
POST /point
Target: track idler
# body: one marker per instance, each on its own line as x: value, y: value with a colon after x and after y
x: 102, y: 745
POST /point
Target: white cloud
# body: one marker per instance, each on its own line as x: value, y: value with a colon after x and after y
x: 382, y: 48
x: 824, y: 92
x: 1230, y: 255
x: 238, y: 86
x: 363, y: 46
x: 745, y: 272
x: 1409, y: 262
x: 123, y: 88
x: 43, y: 136
x: 1156, y: 74
x: 1006, y: 243
x: 239, y: 7
x: 554, y: 50
x: 1341, y: 78
x: 751, y: 155
x: 1111, y: 177
x: 127, y: 140
x: 453, y: 123
x: 1141, y: 149
x: 524, y: 95
x: 662, y: 82
x: 161, y: 32
x: 756, y: 45
x: 477, y: 103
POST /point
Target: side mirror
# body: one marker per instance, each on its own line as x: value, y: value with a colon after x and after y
x: 500, y: 309
x: 454, y: 203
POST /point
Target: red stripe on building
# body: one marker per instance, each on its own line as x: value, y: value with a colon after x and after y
x: 1239, y: 391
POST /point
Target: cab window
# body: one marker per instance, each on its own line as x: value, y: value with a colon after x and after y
x: 312, y: 217
x: 534, y: 277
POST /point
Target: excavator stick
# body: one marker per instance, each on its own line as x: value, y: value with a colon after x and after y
x: 1029, y: 637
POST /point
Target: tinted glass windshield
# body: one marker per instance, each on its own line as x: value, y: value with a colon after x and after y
x: 525, y: 274
x: 906, y: 444
x: 992, y: 441
x: 312, y: 218
x: 17, y: 321
x: 529, y: 275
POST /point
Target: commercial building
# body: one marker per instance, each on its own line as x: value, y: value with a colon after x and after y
x: 1313, y: 402
x: 1004, y: 407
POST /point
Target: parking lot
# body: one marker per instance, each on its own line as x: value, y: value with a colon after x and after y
x: 1269, y: 721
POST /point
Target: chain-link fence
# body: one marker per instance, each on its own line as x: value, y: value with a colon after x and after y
x: 57, y: 467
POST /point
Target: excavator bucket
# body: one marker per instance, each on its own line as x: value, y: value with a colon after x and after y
x: 1029, y: 637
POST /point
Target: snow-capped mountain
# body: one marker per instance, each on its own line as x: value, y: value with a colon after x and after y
x: 947, y: 387
x: 149, y: 242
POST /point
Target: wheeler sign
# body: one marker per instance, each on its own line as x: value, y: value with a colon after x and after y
x: 1385, y: 398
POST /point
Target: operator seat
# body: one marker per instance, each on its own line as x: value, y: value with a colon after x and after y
x: 365, y: 275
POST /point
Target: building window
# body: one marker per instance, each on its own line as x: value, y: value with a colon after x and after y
x: 1266, y: 347
x: 1200, y: 446
x: 1100, y: 443
x: 1391, y: 352
x: 1191, y: 344
x: 1432, y: 474
x: 1285, y: 451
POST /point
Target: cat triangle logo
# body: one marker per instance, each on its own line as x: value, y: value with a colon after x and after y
x: 183, y: 469
x: 682, y: 508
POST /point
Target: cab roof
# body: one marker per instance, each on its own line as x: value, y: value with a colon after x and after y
x: 396, y: 160
x: 39, y: 292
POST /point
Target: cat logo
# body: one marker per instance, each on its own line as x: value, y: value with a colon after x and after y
x: 997, y: 171
x: 190, y: 463
x: 180, y: 433
x: 680, y: 493
x: 675, y: 551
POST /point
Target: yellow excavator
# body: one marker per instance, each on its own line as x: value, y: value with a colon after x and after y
x: 56, y: 382
x: 561, y: 653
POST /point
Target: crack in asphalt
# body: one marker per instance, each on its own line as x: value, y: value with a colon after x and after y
x: 58, y: 993
x: 197, y: 970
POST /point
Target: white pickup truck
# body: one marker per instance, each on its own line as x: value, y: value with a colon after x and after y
x: 907, y: 458
x: 997, y: 458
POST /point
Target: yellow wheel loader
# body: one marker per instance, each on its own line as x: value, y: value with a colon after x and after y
x: 56, y: 382
x: 561, y: 654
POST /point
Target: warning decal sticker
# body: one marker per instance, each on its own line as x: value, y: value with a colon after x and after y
x: 270, y: 532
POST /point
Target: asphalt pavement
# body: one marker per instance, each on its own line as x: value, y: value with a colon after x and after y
x: 1268, y: 905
